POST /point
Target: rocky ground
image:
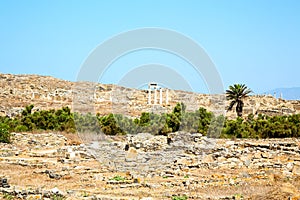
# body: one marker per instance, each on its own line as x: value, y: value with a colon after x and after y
x: 45, y: 92
x: 61, y: 166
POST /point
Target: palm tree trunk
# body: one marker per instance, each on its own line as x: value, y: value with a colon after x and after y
x: 239, y: 108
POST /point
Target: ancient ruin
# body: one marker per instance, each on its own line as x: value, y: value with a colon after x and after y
x: 52, y: 165
x: 18, y: 91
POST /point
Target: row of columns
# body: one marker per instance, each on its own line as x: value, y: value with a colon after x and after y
x: 160, y: 96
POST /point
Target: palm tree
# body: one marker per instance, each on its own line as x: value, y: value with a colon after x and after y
x: 236, y: 94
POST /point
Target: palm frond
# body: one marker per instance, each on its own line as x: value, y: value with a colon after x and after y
x: 236, y: 93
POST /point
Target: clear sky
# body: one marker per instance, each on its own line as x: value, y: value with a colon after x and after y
x: 253, y: 42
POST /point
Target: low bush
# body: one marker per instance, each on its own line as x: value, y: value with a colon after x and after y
x: 4, y: 134
x: 184, y: 197
x: 200, y: 121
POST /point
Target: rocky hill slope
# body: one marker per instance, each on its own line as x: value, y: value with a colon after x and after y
x: 17, y: 91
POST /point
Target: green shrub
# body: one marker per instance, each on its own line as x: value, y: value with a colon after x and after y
x: 118, y: 178
x: 21, y: 128
x: 8, y: 196
x: 179, y: 119
x: 4, y: 134
x: 58, y: 197
x: 184, y: 197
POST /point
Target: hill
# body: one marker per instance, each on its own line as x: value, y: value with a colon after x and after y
x: 45, y: 92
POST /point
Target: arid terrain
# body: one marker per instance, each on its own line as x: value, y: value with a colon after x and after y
x: 179, y: 166
x: 45, y: 92
x: 149, y: 100
x: 58, y: 166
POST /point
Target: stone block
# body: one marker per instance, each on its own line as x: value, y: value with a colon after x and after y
x: 131, y: 155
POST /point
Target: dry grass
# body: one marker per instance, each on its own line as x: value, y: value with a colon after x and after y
x: 82, y: 177
x: 82, y: 180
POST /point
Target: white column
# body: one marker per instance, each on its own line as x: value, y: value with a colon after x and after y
x: 167, y: 96
x: 149, y: 97
x: 160, y: 96
x: 155, y: 96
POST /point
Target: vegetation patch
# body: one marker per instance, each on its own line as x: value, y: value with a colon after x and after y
x: 4, y: 133
x: 200, y: 121
x: 184, y: 197
x: 118, y: 178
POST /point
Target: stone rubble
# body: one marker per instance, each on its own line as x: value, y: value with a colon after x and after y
x: 178, y: 162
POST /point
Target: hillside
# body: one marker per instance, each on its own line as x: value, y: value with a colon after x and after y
x: 45, y: 92
x: 180, y: 165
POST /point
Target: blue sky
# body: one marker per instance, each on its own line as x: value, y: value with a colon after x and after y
x: 251, y: 42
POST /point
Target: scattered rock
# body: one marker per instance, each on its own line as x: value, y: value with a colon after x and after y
x: 265, y: 161
x: 4, y: 183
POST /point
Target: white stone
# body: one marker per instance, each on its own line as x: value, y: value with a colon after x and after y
x: 72, y: 155
x: 290, y: 166
x: 70, y: 149
x: 230, y: 143
x: 56, y: 191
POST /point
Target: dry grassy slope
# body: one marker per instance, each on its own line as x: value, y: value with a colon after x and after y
x: 45, y: 92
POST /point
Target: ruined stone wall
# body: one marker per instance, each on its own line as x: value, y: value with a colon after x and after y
x: 44, y: 166
x: 45, y: 92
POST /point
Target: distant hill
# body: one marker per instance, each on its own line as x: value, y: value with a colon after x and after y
x: 287, y: 93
